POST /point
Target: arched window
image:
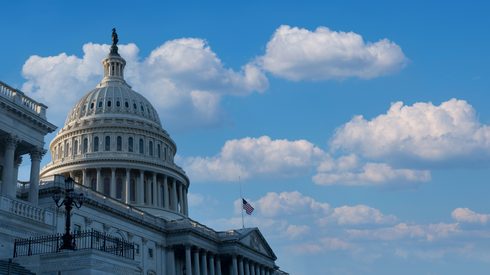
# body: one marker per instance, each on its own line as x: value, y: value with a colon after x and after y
x: 132, y: 188
x: 158, y: 151
x: 75, y: 148
x: 107, y: 143
x: 85, y: 145
x: 96, y: 144
x: 119, y: 188
x: 93, y: 184
x: 142, y: 150
x: 130, y: 144
x: 107, y: 186
x: 150, y: 147
x: 119, y: 143
x: 109, y: 103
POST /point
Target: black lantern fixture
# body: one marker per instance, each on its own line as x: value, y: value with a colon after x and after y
x: 71, y: 199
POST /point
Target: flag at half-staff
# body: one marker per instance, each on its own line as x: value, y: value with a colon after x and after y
x: 247, y: 207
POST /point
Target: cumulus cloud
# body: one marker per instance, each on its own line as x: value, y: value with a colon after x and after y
x: 183, y: 78
x: 323, y: 245
x: 466, y: 215
x: 258, y: 157
x: 399, y: 231
x: 422, y: 134
x: 350, y: 170
x: 288, y: 203
x: 360, y: 214
x: 300, y: 54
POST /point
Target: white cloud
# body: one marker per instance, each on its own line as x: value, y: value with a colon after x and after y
x: 466, y: 215
x: 300, y: 54
x: 183, y: 78
x: 421, y: 133
x: 254, y: 157
x: 399, y: 231
x: 350, y: 170
x: 323, y: 245
x: 360, y: 214
x: 290, y: 203
x: 296, y: 231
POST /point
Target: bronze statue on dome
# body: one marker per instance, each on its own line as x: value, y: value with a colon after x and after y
x: 114, y: 37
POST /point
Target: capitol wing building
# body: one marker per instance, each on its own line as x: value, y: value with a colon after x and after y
x: 113, y: 164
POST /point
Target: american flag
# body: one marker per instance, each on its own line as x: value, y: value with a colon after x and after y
x: 247, y: 206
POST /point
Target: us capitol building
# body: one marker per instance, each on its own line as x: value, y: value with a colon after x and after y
x: 113, y: 165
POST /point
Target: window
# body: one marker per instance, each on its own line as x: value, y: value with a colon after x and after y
x: 96, y: 144
x: 91, y: 105
x: 109, y: 103
x: 107, y: 186
x: 150, y: 148
x: 107, y: 143
x: 93, y: 184
x: 118, y: 104
x: 134, y: 106
x: 85, y: 145
x: 119, y: 143
x: 126, y: 104
x: 132, y: 186
x: 165, y: 153
x: 150, y: 252
x: 119, y: 188
x: 100, y: 104
x: 158, y: 151
x: 130, y: 144
x: 75, y: 148
x: 142, y: 151
x: 66, y: 149
x: 137, y: 248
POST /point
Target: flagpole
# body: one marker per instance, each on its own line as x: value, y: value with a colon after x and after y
x: 241, y: 197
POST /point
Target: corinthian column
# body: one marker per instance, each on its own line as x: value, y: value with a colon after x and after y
x: 36, y: 156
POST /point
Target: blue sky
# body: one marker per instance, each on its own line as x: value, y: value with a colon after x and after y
x: 359, y: 130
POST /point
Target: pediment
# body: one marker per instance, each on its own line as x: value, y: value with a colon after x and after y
x: 253, y: 239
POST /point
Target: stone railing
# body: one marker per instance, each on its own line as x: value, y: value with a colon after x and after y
x: 19, y: 98
x: 26, y: 210
x: 188, y: 223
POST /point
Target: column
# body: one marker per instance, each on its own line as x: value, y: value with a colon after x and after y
x: 188, y: 266
x: 240, y: 266
x: 204, y: 263
x: 171, y: 262
x: 196, y: 263
x: 252, y: 269
x: 211, y: 264
x: 155, y: 190
x: 186, y: 207
x: 234, y: 265
x: 247, y: 268
x: 218, y: 265
x: 9, y: 183
x: 99, y: 187
x: 181, y: 200
x: 140, y: 194
x: 17, y: 163
x: 257, y: 269
x: 165, y: 192
x: 127, y: 186
x: 84, y: 177
x: 36, y: 156
x: 113, y: 183
x: 174, y: 195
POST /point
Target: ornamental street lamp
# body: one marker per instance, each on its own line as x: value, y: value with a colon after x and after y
x: 71, y: 199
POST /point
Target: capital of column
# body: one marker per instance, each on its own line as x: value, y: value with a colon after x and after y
x: 37, y: 154
x: 11, y: 142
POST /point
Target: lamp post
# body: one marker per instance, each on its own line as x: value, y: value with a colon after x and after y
x: 71, y: 199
